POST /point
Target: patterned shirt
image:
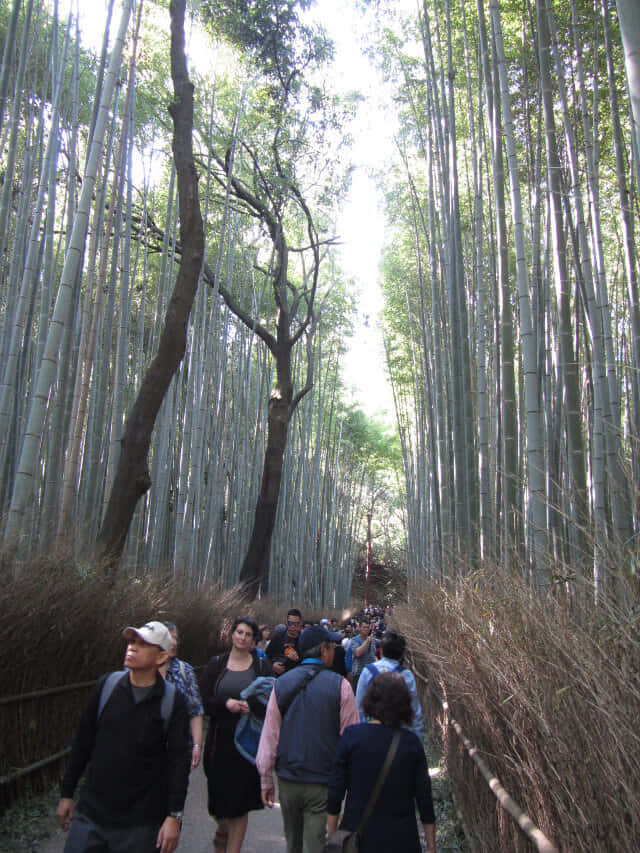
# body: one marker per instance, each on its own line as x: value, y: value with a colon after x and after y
x: 182, y: 675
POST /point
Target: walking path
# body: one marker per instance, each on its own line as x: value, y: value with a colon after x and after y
x: 263, y: 836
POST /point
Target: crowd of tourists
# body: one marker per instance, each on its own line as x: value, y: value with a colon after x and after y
x: 325, y: 714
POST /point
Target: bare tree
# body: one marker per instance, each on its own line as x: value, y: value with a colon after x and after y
x: 295, y: 322
x: 132, y: 477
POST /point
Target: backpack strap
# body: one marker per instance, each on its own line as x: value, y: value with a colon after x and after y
x: 373, y: 670
x: 166, y: 705
x: 107, y: 688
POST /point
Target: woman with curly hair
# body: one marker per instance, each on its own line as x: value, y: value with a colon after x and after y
x: 360, y: 755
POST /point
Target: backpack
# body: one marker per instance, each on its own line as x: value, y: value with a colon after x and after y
x: 166, y: 706
x: 375, y: 672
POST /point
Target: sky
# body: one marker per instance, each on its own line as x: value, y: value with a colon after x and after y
x: 360, y: 226
x: 361, y: 223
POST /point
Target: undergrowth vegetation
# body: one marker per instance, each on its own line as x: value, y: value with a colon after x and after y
x: 550, y: 696
x: 60, y: 625
x: 548, y: 691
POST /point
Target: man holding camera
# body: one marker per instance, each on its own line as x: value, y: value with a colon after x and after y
x: 362, y: 650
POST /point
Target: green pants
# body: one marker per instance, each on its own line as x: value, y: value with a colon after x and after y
x: 304, y: 814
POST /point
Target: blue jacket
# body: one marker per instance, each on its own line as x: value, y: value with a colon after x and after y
x: 247, y: 734
x: 390, y: 665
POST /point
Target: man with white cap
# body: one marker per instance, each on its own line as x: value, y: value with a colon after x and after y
x: 134, y: 735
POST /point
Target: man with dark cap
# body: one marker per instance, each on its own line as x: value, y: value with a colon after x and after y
x: 308, y: 710
x: 134, y: 735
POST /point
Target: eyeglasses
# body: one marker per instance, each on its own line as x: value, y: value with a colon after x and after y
x: 293, y: 624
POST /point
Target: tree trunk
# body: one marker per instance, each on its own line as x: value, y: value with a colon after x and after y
x: 535, y: 456
x: 255, y: 568
x: 630, y: 31
x: 132, y: 478
x: 568, y: 358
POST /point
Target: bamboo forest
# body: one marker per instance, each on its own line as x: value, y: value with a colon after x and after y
x: 332, y: 305
x: 175, y: 315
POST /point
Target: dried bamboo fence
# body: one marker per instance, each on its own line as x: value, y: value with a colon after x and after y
x: 35, y: 732
x: 533, y: 838
x: 44, y: 721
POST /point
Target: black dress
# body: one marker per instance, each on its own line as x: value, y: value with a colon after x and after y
x: 233, y: 782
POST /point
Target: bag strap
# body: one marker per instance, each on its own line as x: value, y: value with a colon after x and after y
x: 284, y: 708
x: 166, y: 706
x: 384, y: 772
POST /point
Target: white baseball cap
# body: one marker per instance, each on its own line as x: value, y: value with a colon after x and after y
x: 155, y: 633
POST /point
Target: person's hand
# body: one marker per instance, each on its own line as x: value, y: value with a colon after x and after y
x: 278, y: 668
x: 64, y: 813
x: 268, y: 795
x: 237, y: 706
x: 430, y: 836
x: 195, y: 755
x: 293, y: 655
x: 168, y: 836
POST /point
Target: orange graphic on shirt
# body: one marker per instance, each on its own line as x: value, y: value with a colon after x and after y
x: 290, y: 651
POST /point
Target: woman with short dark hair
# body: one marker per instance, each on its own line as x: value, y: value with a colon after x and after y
x: 359, y: 758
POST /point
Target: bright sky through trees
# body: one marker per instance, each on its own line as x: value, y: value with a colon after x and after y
x: 360, y: 225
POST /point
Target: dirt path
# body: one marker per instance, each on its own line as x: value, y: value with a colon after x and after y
x: 263, y: 836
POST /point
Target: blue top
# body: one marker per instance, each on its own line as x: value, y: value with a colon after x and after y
x: 390, y: 665
x: 358, y: 664
x: 357, y: 763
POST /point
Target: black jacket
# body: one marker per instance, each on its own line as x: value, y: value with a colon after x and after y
x: 136, y: 774
x: 279, y: 644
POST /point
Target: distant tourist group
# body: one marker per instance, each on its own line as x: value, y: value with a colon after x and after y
x: 325, y: 717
